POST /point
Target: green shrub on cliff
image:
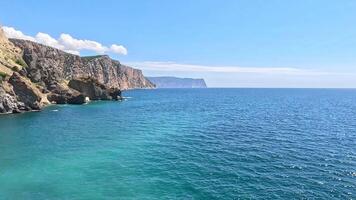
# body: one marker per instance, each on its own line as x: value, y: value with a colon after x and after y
x: 21, y: 62
x: 16, y: 68
x: 2, y: 76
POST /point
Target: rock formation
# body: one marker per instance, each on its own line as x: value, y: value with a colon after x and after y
x: 91, y: 88
x: 26, y: 92
x: 8, y: 101
x: 47, y: 65
x: 33, y: 75
x: 17, y: 93
x: 62, y: 95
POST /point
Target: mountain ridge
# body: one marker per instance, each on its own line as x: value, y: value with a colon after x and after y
x: 176, y: 82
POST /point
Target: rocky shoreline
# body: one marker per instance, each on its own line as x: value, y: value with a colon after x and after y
x: 33, y: 75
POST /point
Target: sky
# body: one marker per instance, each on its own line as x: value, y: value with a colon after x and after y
x: 230, y: 43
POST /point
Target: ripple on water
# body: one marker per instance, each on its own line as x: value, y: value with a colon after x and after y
x: 185, y: 144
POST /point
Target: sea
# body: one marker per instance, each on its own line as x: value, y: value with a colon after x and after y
x: 185, y: 144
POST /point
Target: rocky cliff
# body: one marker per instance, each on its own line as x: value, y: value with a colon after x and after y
x: 17, y: 93
x: 174, y: 82
x: 47, y: 65
x: 10, y: 56
x: 33, y: 75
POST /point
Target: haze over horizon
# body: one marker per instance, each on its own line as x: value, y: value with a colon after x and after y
x: 232, y: 44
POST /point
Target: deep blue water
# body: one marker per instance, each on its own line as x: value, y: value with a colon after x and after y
x: 185, y: 144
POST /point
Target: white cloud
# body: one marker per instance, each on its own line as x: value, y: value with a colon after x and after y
x: 119, y: 49
x: 75, y: 44
x: 13, y: 33
x: 178, y: 67
x: 66, y: 42
x: 46, y: 39
x: 73, y: 52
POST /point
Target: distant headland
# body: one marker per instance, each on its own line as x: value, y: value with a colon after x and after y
x: 175, y: 82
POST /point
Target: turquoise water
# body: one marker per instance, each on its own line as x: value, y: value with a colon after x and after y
x: 185, y: 144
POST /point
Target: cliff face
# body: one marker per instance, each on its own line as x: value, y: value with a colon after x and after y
x: 17, y: 93
x: 33, y: 75
x: 174, y: 82
x: 47, y: 65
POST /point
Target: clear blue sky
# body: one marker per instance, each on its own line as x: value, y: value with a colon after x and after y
x: 315, y: 40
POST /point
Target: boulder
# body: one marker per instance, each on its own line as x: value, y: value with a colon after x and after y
x: 90, y: 88
x: 115, y: 94
x: 25, y: 91
x: 63, y: 95
x: 8, y: 102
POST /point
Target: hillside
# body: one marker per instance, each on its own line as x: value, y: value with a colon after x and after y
x: 174, y: 82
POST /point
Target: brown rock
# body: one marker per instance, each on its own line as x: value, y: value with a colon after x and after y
x: 25, y: 91
x: 63, y: 95
x: 115, y: 94
x: 91, y: 88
